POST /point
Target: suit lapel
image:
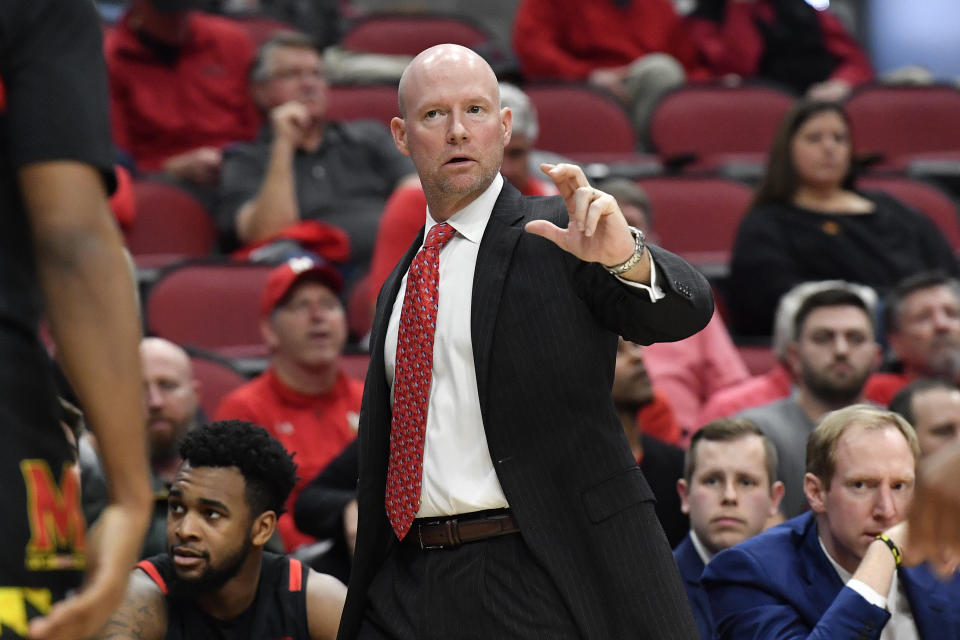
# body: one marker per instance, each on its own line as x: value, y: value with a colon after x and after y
x: 820, y: 580
x: 927, y: 603
x: 376, y: 380
x: 493, y: 263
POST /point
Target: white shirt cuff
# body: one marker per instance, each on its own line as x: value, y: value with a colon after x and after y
x: 653, y: 288
x: 867, y: 593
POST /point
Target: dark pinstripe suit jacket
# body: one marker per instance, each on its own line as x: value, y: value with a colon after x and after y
x: 544, y: 329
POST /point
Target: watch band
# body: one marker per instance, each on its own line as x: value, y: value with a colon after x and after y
x: 639, y: 246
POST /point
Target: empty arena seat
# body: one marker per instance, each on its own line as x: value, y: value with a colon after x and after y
x: 905, y: 124
x: 697, y: 217
x: 711, y: 125
x: 411, y: 33
x: 578, y: 119
x: 212, y: 306
x: 217, y: 377
x: 169, y: 222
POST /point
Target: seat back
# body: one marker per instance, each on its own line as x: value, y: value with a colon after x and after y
x: 902, y: 121
x: 711, y: 119
x: 168, y: 221
x: 409, y: 34
x: 697, y: 217
x: 217, y: 378
x: 923, y: 196
x: 213, y: 306
x: 363, y: 102
x: 576, y: 118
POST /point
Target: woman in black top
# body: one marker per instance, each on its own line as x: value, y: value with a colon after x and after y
x: 808, y: 222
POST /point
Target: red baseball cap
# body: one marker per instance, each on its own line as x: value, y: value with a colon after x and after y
x: 282, y: 279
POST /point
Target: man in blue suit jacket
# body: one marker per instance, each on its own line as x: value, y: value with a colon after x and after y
x: 826, y: 575
x: 729, y: 492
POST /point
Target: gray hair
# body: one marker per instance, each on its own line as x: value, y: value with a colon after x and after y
x: 524, y: 114
x: 784, y: 331
x: 259, y: 72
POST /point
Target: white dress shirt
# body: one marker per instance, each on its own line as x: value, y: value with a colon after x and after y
x: 901, y: 625
x: 458, y: 474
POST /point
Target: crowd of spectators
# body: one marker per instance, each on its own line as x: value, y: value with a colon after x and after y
x: 858, y: 291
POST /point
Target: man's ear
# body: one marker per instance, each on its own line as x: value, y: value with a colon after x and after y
x: 269, y: 335
x: 263, y: 527
x: 506, y: 120
x: 793, y: 359
x: 776, y: 495
x: 398, y: 127
x: 816, y: 493
x: 684, y: 490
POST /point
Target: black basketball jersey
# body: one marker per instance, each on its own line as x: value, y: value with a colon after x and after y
x: 279, y: 611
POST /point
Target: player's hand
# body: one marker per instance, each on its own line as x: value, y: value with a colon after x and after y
x: 113, y: 545
x: 597, y: 230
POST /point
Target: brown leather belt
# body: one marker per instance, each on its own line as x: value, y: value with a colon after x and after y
x: 451, y: 532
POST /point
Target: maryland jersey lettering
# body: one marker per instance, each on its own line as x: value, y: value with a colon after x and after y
x: 57, y: 540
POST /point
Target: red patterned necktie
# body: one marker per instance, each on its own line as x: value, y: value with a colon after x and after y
x: 411, y: 387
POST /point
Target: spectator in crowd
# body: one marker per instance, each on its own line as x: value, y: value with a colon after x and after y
x: 829, y: 573
x: 303, y: 167
x: 778, y: 381
x: 635, y: 49
x: 178, y: 92
x: 403, y: 215
x: 922, y: 321
x: 788, y: 42
x: 304, y: 399
x: 729, y: 492
x: 807, y: 222
x: 651, y: 430
x: 691, y: 370
x: 216, y: 580
x: 932, y: 406
x: 172, y: 411
x: 834, y: 352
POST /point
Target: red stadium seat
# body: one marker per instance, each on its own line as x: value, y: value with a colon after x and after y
x: 355, y: 365
x: 714, y: 124
x: 923, y: 196
x: 169, y: 222
x: 697, y: 217
x: 210, y: 306
x: 363, y: 102
x: 578, y: 119
x: 903, y: 124
x: 217, y: 378
x: 261, y: 28
x: 409, y: 33
x: 759, y: 359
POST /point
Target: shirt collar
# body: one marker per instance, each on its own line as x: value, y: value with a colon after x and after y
x: 471, y: 221
x: 705, y: 555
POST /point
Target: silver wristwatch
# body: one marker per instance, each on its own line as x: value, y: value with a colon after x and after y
x: 639, y: 246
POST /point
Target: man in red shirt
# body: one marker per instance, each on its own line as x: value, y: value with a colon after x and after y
x: 178, y: 88
x: 303, y: 399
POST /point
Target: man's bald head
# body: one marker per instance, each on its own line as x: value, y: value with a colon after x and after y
x: 171, y: 394
x: 446, y: 57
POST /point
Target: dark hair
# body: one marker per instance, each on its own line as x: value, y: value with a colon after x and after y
x: 902, y: 403
x: 828, y: 298
x: 893, y: 303
x: 780, y: 182
x: 268, y: 470
x: 281, y: 40
x: 726, y: 430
